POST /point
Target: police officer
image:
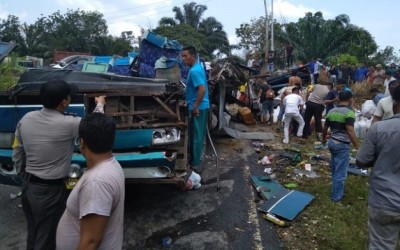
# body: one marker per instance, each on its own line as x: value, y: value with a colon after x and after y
x: 43, y: 148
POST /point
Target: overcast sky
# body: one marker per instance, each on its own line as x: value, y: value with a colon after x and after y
x: 380, y: 18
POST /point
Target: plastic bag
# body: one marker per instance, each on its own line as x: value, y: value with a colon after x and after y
x: 265, y: 160
x: 193, y: 182
x: 361, y: 126
x: 368, y: 108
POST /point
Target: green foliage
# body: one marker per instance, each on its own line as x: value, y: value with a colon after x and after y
x: 237, y: 59
x: 10, y: 72
x: 385, y: 56
x: 10, y: 31
x: 348, y: 59
x: 252, y: 35
x: 216, y: 37
x: 185, y: 35
x: 190, y: 17
x: 312, y: 36
x: 75, y: 30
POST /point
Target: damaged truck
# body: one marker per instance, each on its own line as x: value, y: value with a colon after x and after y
x: 145, y: 97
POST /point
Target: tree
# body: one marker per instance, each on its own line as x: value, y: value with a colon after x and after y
x: 252, y: 35
x: 185, y: 35
x: 10, y: 32
x: 123, y: 44
x: 215, y: 35
x: 385, y: 56
x: 191, y: 15
x: 75, y: 30
x: 312, y: 36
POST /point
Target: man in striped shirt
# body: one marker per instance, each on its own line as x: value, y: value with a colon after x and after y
x: 340, y: 120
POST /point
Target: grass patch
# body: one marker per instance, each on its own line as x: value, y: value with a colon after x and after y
x: 325, y: 224
x: 331, y: 225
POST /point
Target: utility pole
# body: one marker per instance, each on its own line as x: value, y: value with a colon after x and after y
x: 266, y: 33
x: 272, y: 25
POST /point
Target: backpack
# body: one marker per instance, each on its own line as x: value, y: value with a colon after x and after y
x: 270, y: 94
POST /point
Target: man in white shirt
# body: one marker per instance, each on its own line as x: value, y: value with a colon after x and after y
x: 388, y: 78
x: 292, y: 104
x: 250, y: 62
x: 94, y: 217
x: 317, y: 66
x: 384, y: 110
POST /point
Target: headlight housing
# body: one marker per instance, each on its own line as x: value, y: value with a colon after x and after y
x: 166, y: 136
x: 74, y: 171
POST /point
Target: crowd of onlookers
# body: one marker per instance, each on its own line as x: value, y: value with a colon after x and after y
x: 351, y: 74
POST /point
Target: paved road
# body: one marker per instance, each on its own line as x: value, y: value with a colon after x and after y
x: 202, y: 219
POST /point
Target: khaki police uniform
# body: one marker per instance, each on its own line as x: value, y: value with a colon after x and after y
x: 42, y: 154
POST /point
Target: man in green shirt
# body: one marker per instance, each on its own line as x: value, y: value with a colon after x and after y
x: 340, y: 120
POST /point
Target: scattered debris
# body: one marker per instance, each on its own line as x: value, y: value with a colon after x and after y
x: 265, y: 160
x: 166, y: 242
x: 354, y: 169
x: 293, y: 155
x: 233, y: 109
x: 13, y: 196
x: 309, y: 174
x: 318, y: 145
x: 273, y: 219
x: 318, y: 158
x: 272, y: 176
x: 266, y: 186
x: 260, y: 146
x: 246, y: 116
x: 287, y: 203
x: 268, y: 171
x: 279, y: 200
x: 238, y: 229
x: 291, y: 185
x: 193, y: 182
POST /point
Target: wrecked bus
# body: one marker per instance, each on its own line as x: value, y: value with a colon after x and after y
x: 144, y: 96
x: 151, y: 138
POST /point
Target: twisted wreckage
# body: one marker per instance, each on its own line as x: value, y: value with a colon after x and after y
x: 145, y: 96
x: 151, y: 117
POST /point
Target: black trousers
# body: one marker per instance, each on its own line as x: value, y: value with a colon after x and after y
x: 316, y: 110
x: 43, y: 206
x: 316, y: 78
x: 290, y: 60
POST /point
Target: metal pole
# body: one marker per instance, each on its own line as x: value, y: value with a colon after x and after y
x: 272, y: 25
x: 266, y: 33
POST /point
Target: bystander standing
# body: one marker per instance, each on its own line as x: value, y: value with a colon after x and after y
x: 379, y: 151
x: 43, y: 148
x: 340, y: 120
x: 198, y: 105
x: 94, y: 216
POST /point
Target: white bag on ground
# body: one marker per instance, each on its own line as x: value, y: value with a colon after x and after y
x: 368, y: 108
x: 276, y: 114
x: 361, y: 126
x: 193, y: 182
